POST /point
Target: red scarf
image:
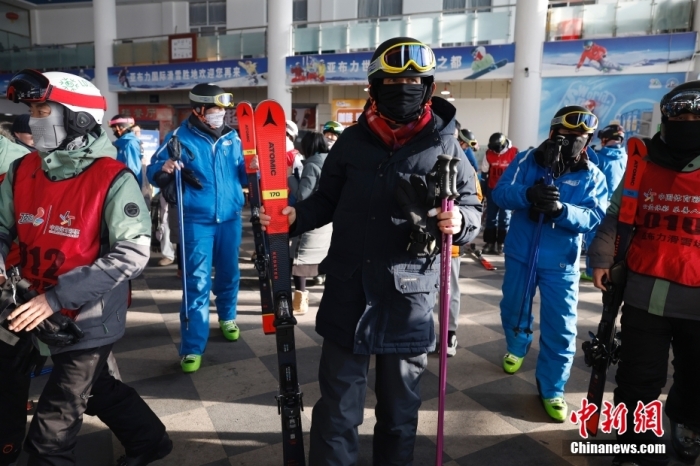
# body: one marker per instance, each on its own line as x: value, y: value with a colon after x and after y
x: 396, y: 137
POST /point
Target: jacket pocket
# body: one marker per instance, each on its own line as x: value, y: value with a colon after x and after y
x: 412, y: 282
x: 91, y: 314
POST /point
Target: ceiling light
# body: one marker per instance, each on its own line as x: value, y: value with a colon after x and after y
x: 445, y: 91
x: 450, y: 99
x: 366, y: 89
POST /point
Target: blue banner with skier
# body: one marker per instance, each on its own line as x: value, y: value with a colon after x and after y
x: 664, y: 53
x: 627, y: 100
x: 453, y: 63
x: 246, y: 72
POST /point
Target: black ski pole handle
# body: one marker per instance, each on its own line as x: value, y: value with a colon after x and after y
x: 175, y: 149
x: 443, y: 176
x: 453, y: 178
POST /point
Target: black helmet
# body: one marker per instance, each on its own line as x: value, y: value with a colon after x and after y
x: 401, y: 57
x: 467, y: 137
x: 208, y: 96
x: 576, y: 118
x: 682, y: 99
x: 497, y: 142
x: 611, y: 132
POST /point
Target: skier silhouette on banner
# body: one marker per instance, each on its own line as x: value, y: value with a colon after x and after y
x: 596, y: 54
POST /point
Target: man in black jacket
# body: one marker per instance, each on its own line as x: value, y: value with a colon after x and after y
x: 382, y: 272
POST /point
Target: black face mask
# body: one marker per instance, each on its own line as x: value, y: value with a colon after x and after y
x: 682, y: 136
x: 400, y: 102
x: 572, y: 146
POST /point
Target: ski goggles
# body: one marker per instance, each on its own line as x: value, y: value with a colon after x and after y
x: 122, y: 121
x: 577, y: 120
x: 399, y: 57
x: 29, y: 86
x: 224, y: 100
x: 332, y: 127
x: 683, y: 102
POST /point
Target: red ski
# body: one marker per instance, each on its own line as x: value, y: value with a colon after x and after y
x: 482, y: 260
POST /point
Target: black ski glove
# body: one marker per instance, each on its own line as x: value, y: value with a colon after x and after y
x: 549, y: 209
x: 412, y: 197
x: 58, y: 330
x: 542, y: 193
x: 166, y: 182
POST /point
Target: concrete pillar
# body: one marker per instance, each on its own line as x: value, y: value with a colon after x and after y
x: 530, y: 30
x: 105, y: 21
x: 279, y: 20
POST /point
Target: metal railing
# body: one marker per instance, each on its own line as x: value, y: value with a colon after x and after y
x: 619, y: 18
x: 483, y: 25
x: 48, y: 57
x: 211, y: 46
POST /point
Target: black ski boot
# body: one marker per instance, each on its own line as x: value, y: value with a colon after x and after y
x: 163, y: 449
x: 499, y: 249
x: 490, y: 248
x: 685, y: 441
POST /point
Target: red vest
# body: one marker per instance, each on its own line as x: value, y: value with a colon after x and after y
x: 666, y: 243
x: 498, y: 164
x: 59, y: 222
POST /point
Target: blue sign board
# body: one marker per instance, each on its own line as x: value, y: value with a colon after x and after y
x: 248, y: 72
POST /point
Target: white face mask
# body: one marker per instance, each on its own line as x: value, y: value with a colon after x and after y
x: 216, y: 119
x: 329, y: 142
x: 48, y: 132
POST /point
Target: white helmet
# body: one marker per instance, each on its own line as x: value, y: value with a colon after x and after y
x: 292, y: 129
x: 79, y: 95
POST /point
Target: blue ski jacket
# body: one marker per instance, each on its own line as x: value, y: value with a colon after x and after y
x: 585, y: 198
x: 129, y: 153
x: 220, y: 168
x: 612, y: 161
x: 472, y: 159
x: 378, y: 299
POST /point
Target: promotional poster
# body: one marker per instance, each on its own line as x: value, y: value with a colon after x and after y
x: 453, y: 63
x: 246, y: 72
x: 627, y: 100
x: 664, y: 53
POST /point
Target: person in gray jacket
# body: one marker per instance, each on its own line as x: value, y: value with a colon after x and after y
x: 84, y: 232
x: 310, y: 248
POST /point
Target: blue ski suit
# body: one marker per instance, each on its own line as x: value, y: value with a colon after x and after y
x: 472, y: 159
x: 612, y: 161
x: 212, y: 226
x: 585, y: 198
x: 129, y: 153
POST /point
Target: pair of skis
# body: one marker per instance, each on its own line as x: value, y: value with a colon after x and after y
x: 479, y: 257
x: 263, y: 133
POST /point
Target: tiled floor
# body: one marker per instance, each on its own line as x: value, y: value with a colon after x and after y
x: 225, y: 414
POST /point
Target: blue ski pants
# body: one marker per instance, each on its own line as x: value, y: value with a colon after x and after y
x: 559, y: 298
x: 209, y: 245
x: 497, y: 218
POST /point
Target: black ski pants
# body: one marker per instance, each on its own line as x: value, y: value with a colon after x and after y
x: 643, y: 367
x: 81, y: 383
x: 342, y: 378
x: 14, y: 390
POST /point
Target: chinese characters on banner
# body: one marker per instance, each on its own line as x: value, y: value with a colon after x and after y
x: 646, y: 417
x: 453, y: 63
x: 226, y: 73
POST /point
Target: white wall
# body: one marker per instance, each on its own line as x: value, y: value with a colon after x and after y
x: 483, y: 117
x: 70, y: 25
x: 421, y: 6
x: 245, y: 13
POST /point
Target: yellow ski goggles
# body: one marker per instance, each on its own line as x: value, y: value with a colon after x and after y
x: 577, y: 120
x: 224, y: 100
x: 399, y: 57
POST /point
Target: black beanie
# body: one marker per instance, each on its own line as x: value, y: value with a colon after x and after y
x: 21, y: 124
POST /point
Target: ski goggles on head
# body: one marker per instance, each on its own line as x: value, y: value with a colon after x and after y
x: 30, y: 86
x: 399, y: 57
x: 224, y: 100
x: 122, y: 121
x: 684, y: 102
x: 576, y: 120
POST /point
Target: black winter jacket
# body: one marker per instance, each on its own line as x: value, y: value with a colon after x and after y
x: 377, y: 299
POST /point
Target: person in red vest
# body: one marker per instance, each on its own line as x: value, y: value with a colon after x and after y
x: 498, y: 156
x: 84, y: 232
x: 662, y: 288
